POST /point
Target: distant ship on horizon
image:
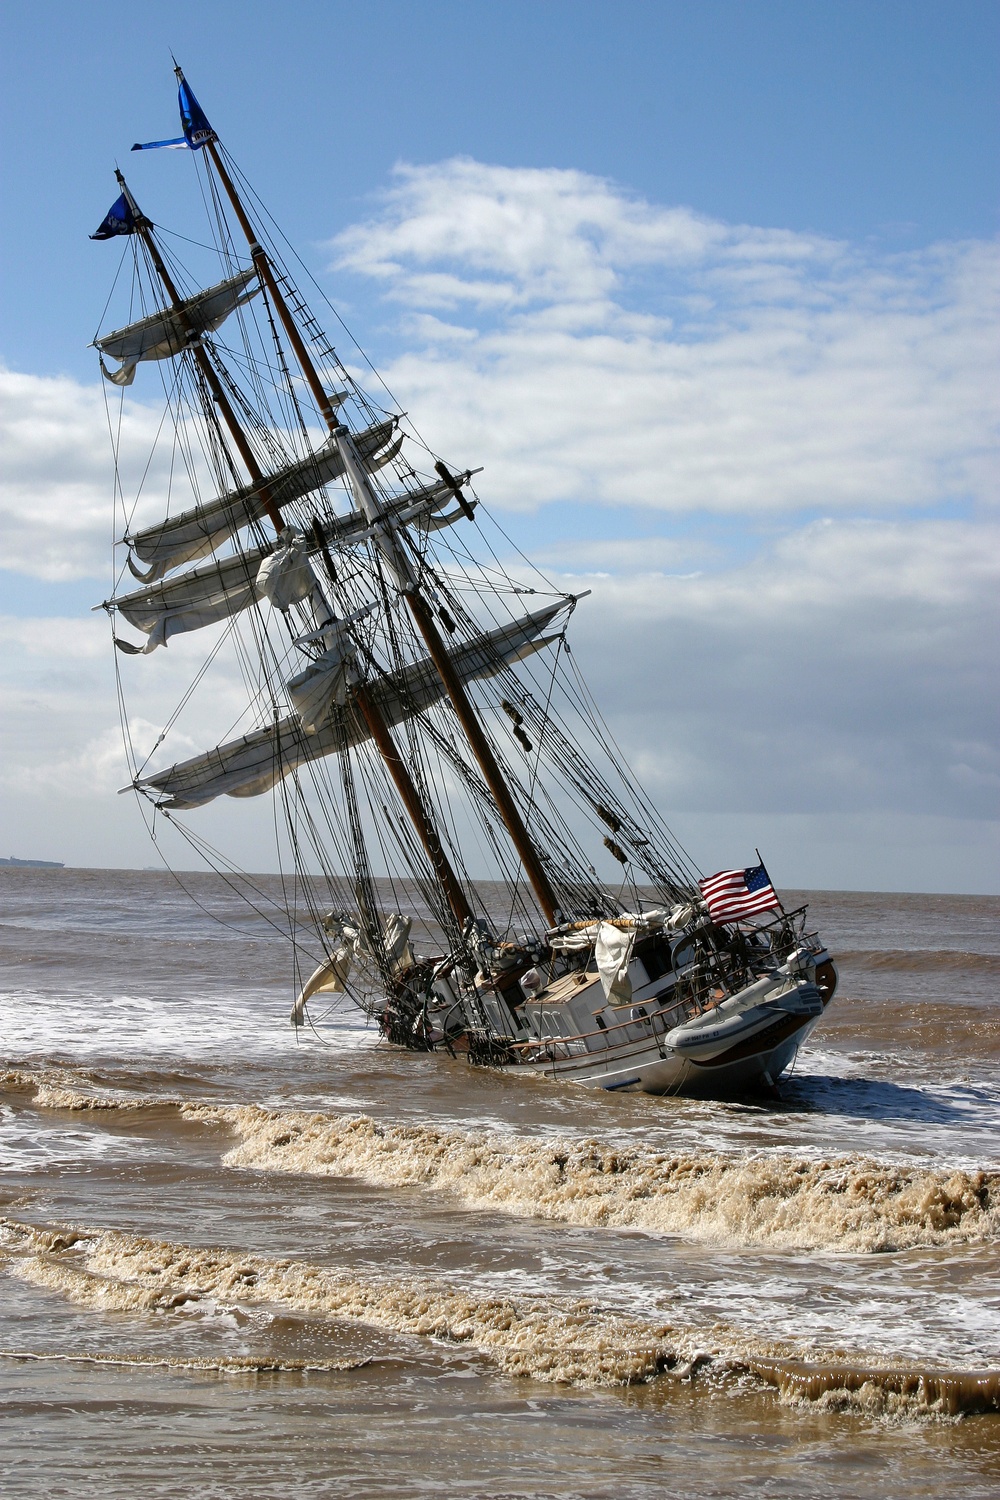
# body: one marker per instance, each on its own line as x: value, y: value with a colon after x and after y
x: 32, y: 864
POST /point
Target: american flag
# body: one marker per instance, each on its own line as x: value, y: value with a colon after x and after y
x: 733, y: 894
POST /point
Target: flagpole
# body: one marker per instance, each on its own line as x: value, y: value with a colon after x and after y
x: 776, y: 896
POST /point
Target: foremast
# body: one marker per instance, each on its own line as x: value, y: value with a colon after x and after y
x: 366, y: 706
x: 363, y: 681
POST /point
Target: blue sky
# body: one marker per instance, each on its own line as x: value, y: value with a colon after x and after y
x: 849, y: 119
x: 707, y: 288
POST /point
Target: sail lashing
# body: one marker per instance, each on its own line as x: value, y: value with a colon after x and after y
x: 226, y: 586
x: 202, y: 529
x: 255, y: 762
x: 213, y: 592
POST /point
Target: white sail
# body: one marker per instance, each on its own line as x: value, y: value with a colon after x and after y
x: 258, y: 761
x: 226, y: 586
x: 174, y: 329
x: 388, y: 455
x: 323, y: 683
x: 285, y: 577
x: 202, y: 597
x: 197, y: 532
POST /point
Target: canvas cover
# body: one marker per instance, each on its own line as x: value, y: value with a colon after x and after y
x: 612, y: 952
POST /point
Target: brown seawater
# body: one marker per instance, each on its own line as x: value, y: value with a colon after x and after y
x: 237, y: 1261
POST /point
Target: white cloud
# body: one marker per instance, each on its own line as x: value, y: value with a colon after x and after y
x: 59, y: 725
x: 529, y: 234
x: 604, y: 349
x: 847, y: 669
x: 57, y: 485
x: 599, y: 348
x: 48, y: 637
x: 849, y: 666
x: 56, y: 708
x: 587, y: 346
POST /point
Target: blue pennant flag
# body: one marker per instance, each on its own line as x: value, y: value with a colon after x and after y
x: 197, y: 131
x: 179, y: 144
x: 119, y: 219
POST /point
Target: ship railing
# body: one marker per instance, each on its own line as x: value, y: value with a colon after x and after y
x: 704, y: 989
x: 733, y: 964
x: 784, y: 925
x: 553, y: 1048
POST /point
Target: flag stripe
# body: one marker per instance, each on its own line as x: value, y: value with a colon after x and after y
x: 732, y: 894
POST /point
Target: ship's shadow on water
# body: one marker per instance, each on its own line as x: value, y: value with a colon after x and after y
x: 876, y: 1099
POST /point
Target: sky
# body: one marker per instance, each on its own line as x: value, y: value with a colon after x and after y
x: 709, y: 291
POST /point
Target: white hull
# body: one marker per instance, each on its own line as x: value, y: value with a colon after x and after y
x: 648, y: 1070
x: 742, y: 1047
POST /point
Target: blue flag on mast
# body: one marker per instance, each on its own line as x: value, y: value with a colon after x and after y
x: 197, y: 131
x: 194, y: 122
x: 119, y: 219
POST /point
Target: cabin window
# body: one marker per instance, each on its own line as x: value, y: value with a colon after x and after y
x: 685, y: 953
x: 655, y: 960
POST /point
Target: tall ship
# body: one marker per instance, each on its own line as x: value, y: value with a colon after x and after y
x: 409, y: 702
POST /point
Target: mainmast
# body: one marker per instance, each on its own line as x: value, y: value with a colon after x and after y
x: 483, y: 752
x: 367, y: 708
x: 399, y: 565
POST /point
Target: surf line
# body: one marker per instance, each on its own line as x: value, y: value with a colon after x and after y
x: 555, y: 1340
x: 232, y: 1365
x: 950, y: 1391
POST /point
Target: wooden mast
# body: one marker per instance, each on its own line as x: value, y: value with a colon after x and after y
x: 204, y: 363
x: 262, y: 262
x: 368, y: 709
x: 482, y: 750
x: 454, y: 687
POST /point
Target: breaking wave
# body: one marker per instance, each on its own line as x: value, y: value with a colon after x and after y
x: 881, y: 1391
x: 556, y: 1340
x: 232, y: 1364
x: 845, y: 1204
x: 569, y: 1342
x: 778, y: 1201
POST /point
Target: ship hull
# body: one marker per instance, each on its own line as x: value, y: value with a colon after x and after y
x: 648, y: 1070
x: 744, y: 1054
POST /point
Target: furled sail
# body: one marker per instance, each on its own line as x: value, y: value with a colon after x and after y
x: 197, y: 532
x: 286, y: 578
x: 226, y: 586
x: 174, y: 329
x: 202, y: 597
x: 258, y: 761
